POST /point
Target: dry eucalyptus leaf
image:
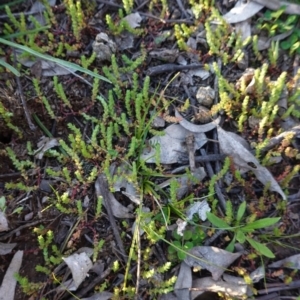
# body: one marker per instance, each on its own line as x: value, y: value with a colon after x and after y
x: 210, y: 285
x: 122, y: 184
x: 290, y: 8
x: 7, y: 289
x: 292, y: 262
x: 258, y: 274
x: 6, y: 248
x: 49, y: 68
x: 213, y: 259
x: 100, y: 296
x: 243, y: 29
x: 118, y: 210
x: 79, y: 265
x: 3, y: 222
x: 242, y: 11
x: 265, y: 42
x: 183, y: 282
x: 172, y: 145
x: 245, y: 160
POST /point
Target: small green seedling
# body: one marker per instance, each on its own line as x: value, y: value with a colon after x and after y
x: 191, y: 238
x: 243, y: 233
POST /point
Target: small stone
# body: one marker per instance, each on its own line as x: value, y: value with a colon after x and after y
x: 104, y: 47
x: 158, y: 122
x: 205, y: 96
x: 253, y: 122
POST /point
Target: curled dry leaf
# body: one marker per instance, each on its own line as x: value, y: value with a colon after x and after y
x: 45, y: 144
x: 244, y: 159
x: 213, y: 259
x: 79, y: 265
x: 193, y: 127
x: 7, y: 289
x: 117, y: 208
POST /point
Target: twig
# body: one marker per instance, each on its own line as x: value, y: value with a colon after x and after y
x: 190, y: 143
x: 24, y: 103
x: 103, y: 185
x: 204, y: 158
x: 9, y: 234
x: 280, y: 287
x: 278, y: 139
x: 214, y: 237
x: 217, y: 188
x: 170, y: 68
x: 181, y: 7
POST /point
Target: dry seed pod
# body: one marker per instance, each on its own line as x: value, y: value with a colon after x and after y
x: 203, y: 115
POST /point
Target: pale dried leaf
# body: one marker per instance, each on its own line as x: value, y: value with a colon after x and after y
x: 213, y: 259
x: 133, y: 19
x: 117, y: 208
x: 292, y: 262
x: 45, y: 144
x: 39, y: 7
x: 7, y: 289
x: 172, y: 145
x: 122, y: 184
x: 258, y: 274
x: 183, y: 282
x: 211, y: 285
x: 79, y: 265
x: 3, y: 222
x: 242, y: 11
x: 200, y: 208
x: 245, y: 160
x: 100, y: 296
x: 6, y: 248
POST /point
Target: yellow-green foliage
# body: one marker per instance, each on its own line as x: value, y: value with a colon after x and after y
x: 7, y: 118
x: 261, y: 103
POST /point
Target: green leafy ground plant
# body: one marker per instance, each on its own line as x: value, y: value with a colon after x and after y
x: 244, y: 232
